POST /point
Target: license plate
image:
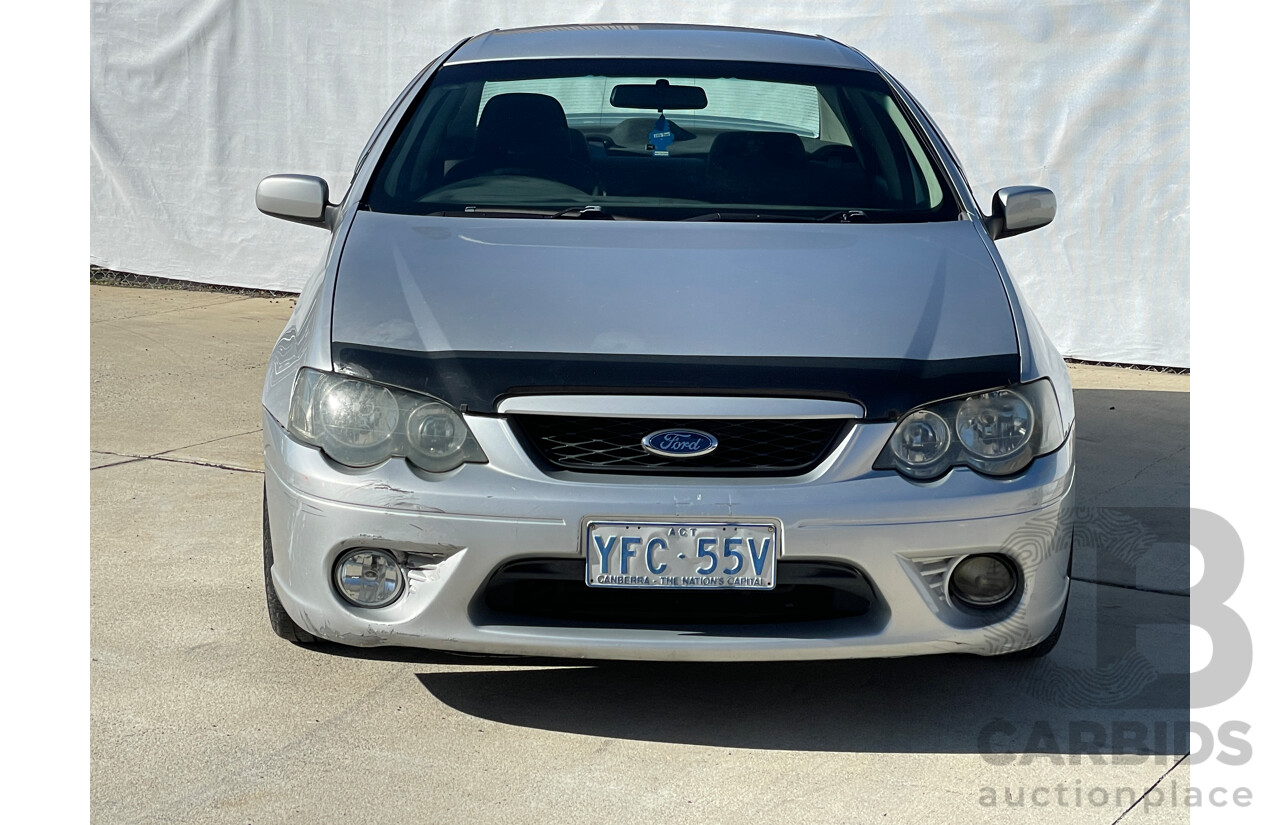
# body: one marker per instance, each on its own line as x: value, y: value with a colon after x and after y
x: 705, y: 556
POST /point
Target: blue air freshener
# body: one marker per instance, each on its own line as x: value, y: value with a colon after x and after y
x: 660, y: 138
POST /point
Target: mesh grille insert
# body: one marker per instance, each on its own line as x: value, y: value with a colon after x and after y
x: 746, y: 446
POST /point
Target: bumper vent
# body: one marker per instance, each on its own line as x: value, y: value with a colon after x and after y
x: 765, y: 447
x: 551, y: 592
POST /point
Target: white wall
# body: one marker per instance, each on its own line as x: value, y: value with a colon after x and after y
x: 193, y: 102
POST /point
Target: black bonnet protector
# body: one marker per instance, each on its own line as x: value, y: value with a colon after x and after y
x: 479, y: 381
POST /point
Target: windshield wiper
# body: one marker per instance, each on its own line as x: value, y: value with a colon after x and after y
x: 590, y: 212
x: 845, y: 216
x: 748, y: 217
x: 491, y: 212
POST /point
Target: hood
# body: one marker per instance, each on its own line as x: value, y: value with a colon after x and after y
x: 474, y: 309
x: 903, y: 291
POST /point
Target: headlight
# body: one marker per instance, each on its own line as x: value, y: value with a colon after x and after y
x: 435, y: 434
x: 921, y: 440
x: 357, y: 419
x: 359, y: 423
x: 997, y: 432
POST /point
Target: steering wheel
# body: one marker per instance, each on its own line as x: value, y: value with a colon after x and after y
x: 826, y: 152
x: 530, y: 172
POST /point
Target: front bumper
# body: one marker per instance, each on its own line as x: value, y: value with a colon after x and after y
x: 460, y: 527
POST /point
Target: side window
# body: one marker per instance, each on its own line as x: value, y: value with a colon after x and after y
x: 927, y: 188
x: 896, y: 158
x: 382, y: 124
x: 413, y: 170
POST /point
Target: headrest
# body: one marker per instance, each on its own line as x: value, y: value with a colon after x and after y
x: 518, y: 119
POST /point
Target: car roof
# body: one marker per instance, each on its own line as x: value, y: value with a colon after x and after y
x: 659, y: 40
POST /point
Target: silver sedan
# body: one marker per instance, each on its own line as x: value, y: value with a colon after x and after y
x: 664, y: 342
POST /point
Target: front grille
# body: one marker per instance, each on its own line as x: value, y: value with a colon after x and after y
x: 773, y: 446
x: 546, y: 592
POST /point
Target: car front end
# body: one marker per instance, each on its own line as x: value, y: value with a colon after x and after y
x: 647, y: 402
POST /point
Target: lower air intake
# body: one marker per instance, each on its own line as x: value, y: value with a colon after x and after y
x: 552, y: 591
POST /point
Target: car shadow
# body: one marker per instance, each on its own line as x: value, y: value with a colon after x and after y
x: 1117, y: 684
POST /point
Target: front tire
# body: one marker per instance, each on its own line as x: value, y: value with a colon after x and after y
x: 283, y: 625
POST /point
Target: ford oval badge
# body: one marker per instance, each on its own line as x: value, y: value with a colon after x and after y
x: 679, y: 443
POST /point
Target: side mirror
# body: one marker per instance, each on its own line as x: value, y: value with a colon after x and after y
x: 1018, y: 209
x: 298, y: 198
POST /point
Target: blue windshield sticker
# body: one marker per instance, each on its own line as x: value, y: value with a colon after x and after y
x: 660, y: 138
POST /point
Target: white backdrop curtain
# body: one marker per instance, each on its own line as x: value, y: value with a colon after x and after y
x: 194, y: 101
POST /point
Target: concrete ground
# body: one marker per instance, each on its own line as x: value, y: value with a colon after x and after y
x: 200, y: 714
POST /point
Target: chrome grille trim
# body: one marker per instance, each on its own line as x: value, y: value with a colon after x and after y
x: 679, y: 406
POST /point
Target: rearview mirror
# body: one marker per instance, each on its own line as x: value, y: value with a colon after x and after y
x: 1018, y: 209
x: 298, y: 198
x: 660, y: 95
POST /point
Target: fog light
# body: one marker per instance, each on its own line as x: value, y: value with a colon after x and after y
x: 368, y: 578
x: 983, y: 581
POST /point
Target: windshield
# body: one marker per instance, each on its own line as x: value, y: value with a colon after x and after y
x: 660, y: 140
